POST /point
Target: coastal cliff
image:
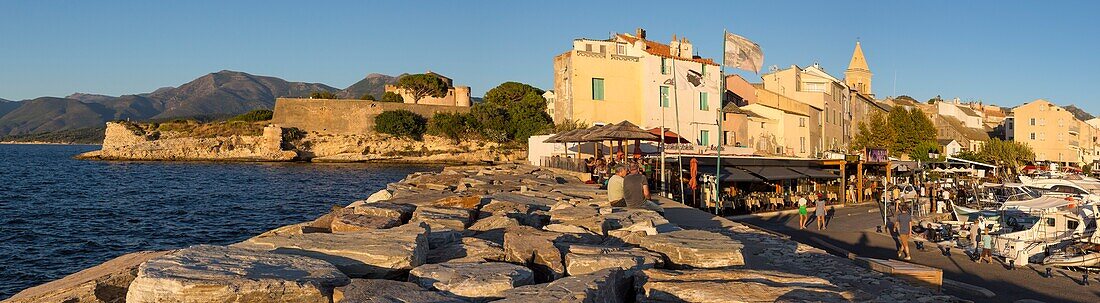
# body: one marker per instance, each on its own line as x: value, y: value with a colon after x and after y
x: 183, y: 141
x: 513, y: 233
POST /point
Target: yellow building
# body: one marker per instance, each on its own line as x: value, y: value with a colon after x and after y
x: 785, y: 125
x: 1052, y: 132
x: 628, y: 77
x: 858, y: 76
x: 826, y: 95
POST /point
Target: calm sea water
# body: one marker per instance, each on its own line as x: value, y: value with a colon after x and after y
x: 59, y: 215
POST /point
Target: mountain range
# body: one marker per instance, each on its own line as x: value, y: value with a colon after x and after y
x: 220, y: 94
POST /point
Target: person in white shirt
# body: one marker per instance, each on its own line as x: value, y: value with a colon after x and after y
x: 615, y: 187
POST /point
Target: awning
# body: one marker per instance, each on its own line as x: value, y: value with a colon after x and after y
x: 814, y: 173
x: 731, y: 174
x: 773, y: 173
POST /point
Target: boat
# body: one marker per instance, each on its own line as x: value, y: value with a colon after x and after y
x: 1030, y: 229
x: 1073, y: 259
x: 1084, y: 188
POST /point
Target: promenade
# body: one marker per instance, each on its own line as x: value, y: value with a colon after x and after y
x: 853, y: 230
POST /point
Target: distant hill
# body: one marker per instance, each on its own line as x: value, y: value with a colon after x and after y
x: 1079, y: 113
x: 220, y: 94
x: 374, y: 84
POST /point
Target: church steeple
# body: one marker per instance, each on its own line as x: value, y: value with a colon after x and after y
x: 858, y: 75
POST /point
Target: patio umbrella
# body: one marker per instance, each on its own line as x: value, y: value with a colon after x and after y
x: 622, y: 131
x: 670, y: 137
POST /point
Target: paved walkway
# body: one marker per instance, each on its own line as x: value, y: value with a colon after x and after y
x: 768, y: 251
x: 853, y: 229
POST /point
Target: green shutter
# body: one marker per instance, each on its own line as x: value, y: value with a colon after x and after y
x: 664, y: 66
x: 703, y: 105
x: 597, y: 89
x: 704, y: 138
x: 664, y: 96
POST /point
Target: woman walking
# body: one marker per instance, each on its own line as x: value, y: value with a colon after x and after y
x: 803, y: 214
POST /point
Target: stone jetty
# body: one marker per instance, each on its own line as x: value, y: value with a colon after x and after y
x: 507, y: 233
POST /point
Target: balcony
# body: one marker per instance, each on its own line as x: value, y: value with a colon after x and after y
x: 1074, y: 144
x: 1074, y: 129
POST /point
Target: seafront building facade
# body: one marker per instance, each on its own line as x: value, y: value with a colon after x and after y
x: 1053, y: 133
x: 628, y: 77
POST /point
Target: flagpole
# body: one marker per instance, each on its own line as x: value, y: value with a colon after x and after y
x: 664, y: 179
x: 679, y: 153
x: 721, y: 135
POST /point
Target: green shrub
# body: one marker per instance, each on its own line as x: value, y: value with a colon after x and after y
x: 254, y: 116
x: 453, y: 126
x: 401, y: 123
x: 392, y: 97
x: 367, y: 97
x: 322, y: 95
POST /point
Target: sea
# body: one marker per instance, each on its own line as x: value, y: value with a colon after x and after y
x: 59, y: 215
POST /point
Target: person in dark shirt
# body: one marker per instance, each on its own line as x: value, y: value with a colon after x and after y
x: 904, y: 226
x: 636, y: 190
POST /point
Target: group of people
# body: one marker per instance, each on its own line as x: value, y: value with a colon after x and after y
x: 601, y: 169
x: 628, y: 187
x: 819, y: 210
x: 982, y: 240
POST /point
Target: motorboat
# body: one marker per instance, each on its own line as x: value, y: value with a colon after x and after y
x: 1076, y: 257
x: 1084, y: 188
x: 1030, y: 229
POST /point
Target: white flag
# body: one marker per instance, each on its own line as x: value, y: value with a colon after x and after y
x: 743, y: 54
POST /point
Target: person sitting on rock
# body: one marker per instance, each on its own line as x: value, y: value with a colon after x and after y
x: 615, y: 187
x: 636, y: 191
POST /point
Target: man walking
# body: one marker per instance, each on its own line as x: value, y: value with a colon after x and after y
x: 904, y: 226
x: 615, y: 187
x: 636, y: 191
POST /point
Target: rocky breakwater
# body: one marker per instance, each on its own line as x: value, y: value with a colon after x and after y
x: 507, y: 233
x: 240, y: 141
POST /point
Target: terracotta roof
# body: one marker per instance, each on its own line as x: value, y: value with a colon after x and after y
x: 969, y: 133
x: 968, y: 111
x: 663, y: 50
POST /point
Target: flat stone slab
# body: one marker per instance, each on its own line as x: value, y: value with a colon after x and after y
x: 207, y: 273
x: 472, y: 280
x: 696, y: 248
x: 586, y: 259
x: 381, y: 253
x: 604, y: 286
x: 467, y: 250
x: 541, y: 249
x: 388, y: 291
x: 349, y: 221
x: 401, y: 212
x: 734, y: 285
x: 443, y: 217
x: 105, y: 282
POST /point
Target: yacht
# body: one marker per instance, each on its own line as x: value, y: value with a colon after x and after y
x: 1031, y: 229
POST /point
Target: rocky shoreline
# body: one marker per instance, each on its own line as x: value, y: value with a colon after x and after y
x: 506, y: 233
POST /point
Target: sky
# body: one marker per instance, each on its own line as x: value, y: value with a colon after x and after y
x: 1000, y: 52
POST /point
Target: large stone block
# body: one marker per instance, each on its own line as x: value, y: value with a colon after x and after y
x: 401, y: 212
x: 586, y: 259
x: 541, y: 250
x: 604, y: 286
x: 478, y: 281
x: 467, y: 250
x: 381, y: 253
x: 206, y: 273
x: 349, y: 221
x: 388, y: 291
x: 696, y: 248
x: 443, y: 217
x: 105, y: 282
x: 734, y: 285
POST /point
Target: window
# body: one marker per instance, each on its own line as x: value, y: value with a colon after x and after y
x: 704, y: 137
x: 761, y: 125
x: 664, y: 66
x: 802, y: 143
x: 1032, y: 136
x: 588, y: 47
x: 603, y: 49
x: 622, y: 49
x: 814, y: 87
x: 703, y: 70
x: 1072, y: 224
x: 1033, y: 121
x: 801, y: 122
x: 1043, y: 136
x: 1050, y: 222
x: 597, y: 88
x: 703, y: 105
x: 1060, y: 122
x: 1042, y: 121
x: 725, y: 138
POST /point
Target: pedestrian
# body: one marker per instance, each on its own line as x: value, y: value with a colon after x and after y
x: 636, y: 191
x: 904, y: 226
x: 820, y: 209
x: 987, y: 246
x: 976, y: 238
x: 803, y: 214
x: 615, y: 187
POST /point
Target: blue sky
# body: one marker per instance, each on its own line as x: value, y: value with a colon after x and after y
x: 1001, y: 52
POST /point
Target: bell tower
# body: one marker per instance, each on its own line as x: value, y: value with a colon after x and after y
x: 858, y: 75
